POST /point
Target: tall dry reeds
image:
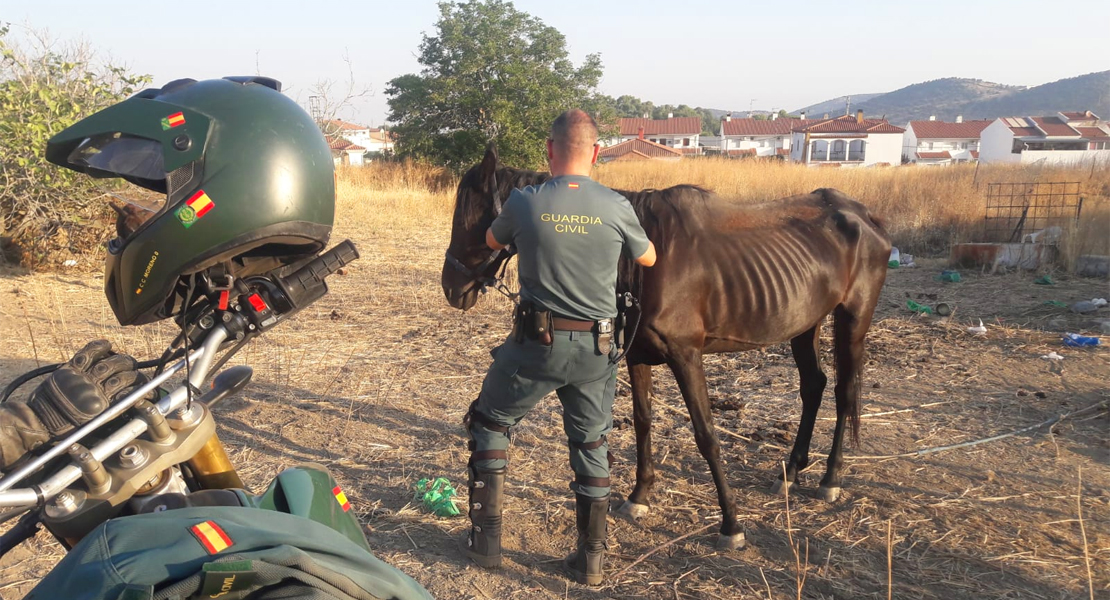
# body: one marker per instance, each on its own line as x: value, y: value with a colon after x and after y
x: 926, y: 208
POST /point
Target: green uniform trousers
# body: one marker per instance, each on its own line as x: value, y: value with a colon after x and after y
x: 524, y: 372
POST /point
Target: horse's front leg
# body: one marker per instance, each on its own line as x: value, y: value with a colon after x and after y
x: 690, y: 375
x: 639, y: 377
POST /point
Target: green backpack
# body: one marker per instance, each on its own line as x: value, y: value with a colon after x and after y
x: 233, y: 552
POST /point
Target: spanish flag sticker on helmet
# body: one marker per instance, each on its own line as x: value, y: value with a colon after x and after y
x: 211, y: 536
x: 172, y: 121
x: 194, y: 208
x: 572, y: 185
x: 341, y: 498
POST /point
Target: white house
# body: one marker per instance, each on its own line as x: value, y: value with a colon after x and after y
x: 680, y: 133
x: 1067, y: 138
x: 372, y: 139
x: 756, y: 137
x: 847, y: 141
x: 344, y: 152
x: 935, y: 142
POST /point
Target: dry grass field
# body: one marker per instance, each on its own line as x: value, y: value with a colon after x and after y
x: 373, y: 380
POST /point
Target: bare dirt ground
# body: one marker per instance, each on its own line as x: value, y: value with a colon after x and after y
x: 374, y: 379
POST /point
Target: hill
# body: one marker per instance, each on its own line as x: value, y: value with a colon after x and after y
x: 1085, y: 92
x: 978, y: 99
x: 834, y: 106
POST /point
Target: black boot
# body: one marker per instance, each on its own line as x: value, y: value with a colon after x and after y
x: 588, y: 561
x: 483, y: 543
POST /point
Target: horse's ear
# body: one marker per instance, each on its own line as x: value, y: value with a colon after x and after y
x: 489, y: 166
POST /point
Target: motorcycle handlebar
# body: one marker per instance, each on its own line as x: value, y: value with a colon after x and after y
x: 306, y: 285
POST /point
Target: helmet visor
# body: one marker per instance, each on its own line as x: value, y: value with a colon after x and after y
x: 135, y: 159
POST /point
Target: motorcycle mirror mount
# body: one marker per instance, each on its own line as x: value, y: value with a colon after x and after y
x: 227, y: 383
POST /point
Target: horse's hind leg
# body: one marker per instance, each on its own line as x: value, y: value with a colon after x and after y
x: 812, y: 386
x: 639, y: 377
x: 690, y: 375
x: 851, y: 321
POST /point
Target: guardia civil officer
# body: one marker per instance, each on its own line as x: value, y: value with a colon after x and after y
x: 569, y: 233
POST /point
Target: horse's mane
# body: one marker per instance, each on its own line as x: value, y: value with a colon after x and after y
x: 473, y: 206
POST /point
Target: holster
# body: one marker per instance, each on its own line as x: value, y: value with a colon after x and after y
x: 531, y: 322
x: 605, y: 330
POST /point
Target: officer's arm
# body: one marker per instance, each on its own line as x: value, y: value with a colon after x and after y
x: 648, y: 258
x: 492, y: 242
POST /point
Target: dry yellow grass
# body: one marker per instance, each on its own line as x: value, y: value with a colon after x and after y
x: 926, y: 209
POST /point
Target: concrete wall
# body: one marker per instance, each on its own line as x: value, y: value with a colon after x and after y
x: 909, y: 144
x: 1077, y: 158
x: 883, y: 148
x: 765, y: 145
x: 996, y: 143
x: 797, y: 143
x: 669, y: 140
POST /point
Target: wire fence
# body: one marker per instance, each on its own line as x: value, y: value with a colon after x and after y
x: 1017, y: 210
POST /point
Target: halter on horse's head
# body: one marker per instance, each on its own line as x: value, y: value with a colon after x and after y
x: 465, y: 272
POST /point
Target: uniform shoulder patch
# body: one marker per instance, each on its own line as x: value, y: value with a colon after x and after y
x: 211, y: 536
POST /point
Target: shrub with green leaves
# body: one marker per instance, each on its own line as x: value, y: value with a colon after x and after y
x: 44, y: 88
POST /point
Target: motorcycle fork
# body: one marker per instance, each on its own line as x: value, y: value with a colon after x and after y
x: 213, y: 469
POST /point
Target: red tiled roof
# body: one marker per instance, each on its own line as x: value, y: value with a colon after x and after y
x: 1093, y: 134
x: 648, y: 149
x: 338, y: 143
x: 782, y: 152
x: 848, y: 124
x: 633, y: 155
x: 756, y: 127
x: 688, y: 150
x: 336, y: 124
x: 744, y: 152
x: 1054, y: 127
x: 974, y: 154
x: 934, y: 155
x: 675, y: 126
x: 1079, y: 115
x: 927, y: 130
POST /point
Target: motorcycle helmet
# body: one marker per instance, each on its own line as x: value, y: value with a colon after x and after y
x: 243, y: 178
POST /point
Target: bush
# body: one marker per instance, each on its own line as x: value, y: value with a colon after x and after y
x: 45, y: 211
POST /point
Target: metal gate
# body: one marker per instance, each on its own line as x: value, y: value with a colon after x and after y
x: 1015, y: 210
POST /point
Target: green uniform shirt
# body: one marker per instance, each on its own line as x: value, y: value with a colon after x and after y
x: 569, y: 233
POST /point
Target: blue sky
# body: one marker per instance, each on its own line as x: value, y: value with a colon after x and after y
x: 712, y: 54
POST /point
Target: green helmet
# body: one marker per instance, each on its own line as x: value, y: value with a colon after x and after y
x: 244, y: 178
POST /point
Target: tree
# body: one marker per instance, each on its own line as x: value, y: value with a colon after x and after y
x: 44, y: 88
x: 491, y: 72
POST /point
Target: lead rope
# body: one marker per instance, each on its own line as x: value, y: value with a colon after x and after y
x: 639, y: 316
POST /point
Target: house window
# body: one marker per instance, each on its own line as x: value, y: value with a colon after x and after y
x: 685, y: 142
x: 963, y: 145
x: 928, y: 145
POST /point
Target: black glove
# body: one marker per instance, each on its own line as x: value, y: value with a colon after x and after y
x: 84, y: 387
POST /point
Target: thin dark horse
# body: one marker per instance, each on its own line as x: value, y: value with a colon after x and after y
x: 729, y: 277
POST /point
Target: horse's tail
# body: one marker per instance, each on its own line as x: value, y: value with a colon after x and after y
x: 849, y: 366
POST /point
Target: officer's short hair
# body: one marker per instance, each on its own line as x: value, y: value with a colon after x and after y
x: 574, y: 131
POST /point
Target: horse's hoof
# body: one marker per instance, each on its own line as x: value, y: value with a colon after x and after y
x: 828, y: 494
x: 634, y: 511
x: 777, y: 489
x: 731, y: 542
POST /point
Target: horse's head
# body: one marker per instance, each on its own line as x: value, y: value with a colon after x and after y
x: 469, y: 262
